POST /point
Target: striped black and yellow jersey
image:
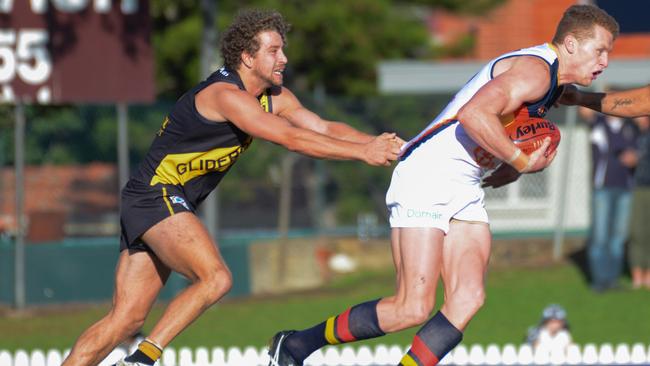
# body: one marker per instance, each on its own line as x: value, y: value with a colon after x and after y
x: 192, y: 153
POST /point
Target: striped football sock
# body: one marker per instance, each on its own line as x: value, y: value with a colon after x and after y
x: 148, y: 353
x: 357, y: 323
x: 432, y: 342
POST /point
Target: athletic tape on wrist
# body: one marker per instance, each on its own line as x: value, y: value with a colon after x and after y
x: 514, y: 156
x: 519, y: 161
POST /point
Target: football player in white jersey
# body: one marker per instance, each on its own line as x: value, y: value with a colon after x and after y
x: 439, y: 224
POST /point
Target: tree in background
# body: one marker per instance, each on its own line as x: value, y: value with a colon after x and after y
x: 333, y: 54
x: 336, y: 47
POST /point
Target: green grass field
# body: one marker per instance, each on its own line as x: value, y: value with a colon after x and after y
x: 515, y: 300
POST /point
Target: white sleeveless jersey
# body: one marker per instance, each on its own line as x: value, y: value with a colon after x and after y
x: 439, y: 173
x: 445, y: 128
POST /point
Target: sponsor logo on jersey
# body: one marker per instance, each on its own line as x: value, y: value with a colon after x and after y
x: 179, y: 201
x: 181, y: 168
x: 484, y: 159
x: 541, y: 111
x: 426, y: 214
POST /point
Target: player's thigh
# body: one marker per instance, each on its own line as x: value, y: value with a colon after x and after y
x: 184, y: 245
x: 466, y: 252
x: 397, y: 258
x: 139, y: 277
x: 419, y: 252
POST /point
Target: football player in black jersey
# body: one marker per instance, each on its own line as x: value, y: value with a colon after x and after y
x: 205, y: 133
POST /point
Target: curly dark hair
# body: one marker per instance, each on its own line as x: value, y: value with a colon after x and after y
x: 242, y: 34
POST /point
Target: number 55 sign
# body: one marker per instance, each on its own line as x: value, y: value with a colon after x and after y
x: 75, y: 51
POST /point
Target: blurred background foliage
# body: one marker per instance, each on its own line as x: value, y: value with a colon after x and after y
x: 333, y: 53
x: 336, y: 47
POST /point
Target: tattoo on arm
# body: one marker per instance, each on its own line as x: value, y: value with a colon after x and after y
x: 621, y: 102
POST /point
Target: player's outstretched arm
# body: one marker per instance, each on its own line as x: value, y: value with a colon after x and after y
x: 290, y: 108
x: 626, y: 103
x: 245, y: 112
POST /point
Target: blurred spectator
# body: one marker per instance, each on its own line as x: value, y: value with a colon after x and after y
x: 613, y: 143
x: 552, y: 333
x: 639, y: 250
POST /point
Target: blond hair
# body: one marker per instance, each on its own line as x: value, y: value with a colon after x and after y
x: 579, y: 21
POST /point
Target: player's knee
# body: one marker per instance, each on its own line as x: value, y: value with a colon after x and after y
x: 416, y: 312
x: 127, y: 323
x: 225, y: 281
x: 133, y: 327
x: 470, y: 299
x: 218, y: 284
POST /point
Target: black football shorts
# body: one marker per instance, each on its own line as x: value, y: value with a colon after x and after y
x: 143, y: 206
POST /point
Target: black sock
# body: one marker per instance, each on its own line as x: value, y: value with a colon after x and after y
x: 303, y: 343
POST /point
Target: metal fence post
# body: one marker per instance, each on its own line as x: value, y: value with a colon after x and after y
x: 19, y: 166
x: 565, y: 168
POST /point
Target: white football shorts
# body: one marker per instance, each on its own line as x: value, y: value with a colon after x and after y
x: 437, y: 182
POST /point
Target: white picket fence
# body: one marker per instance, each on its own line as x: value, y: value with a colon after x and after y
x: 589, y: 354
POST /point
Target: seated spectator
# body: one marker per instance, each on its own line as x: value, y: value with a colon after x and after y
x: 552, y: 333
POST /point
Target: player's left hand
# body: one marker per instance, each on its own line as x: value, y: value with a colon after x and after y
x: 540, y: 158
x: 382, y: 149
x: 504, y: 174
x: 399, y: 141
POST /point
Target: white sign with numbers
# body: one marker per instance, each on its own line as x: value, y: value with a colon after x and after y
x: 24, y: 54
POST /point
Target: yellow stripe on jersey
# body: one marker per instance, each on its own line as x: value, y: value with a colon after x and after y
x: 264, y: 102
x: 407, y: 360
x: 164, y: 125
x: 180, y: 168
x: 169, y: 205
x: 329, y: 331
x: 557, y: 53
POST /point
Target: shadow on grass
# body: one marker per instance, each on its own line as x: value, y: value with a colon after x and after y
x: 580, y: 259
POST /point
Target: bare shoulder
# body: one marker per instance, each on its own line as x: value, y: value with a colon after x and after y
x: 523, y: 66
x: 284, y: 100
x: 528, y: 76
x: 213, y: 101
